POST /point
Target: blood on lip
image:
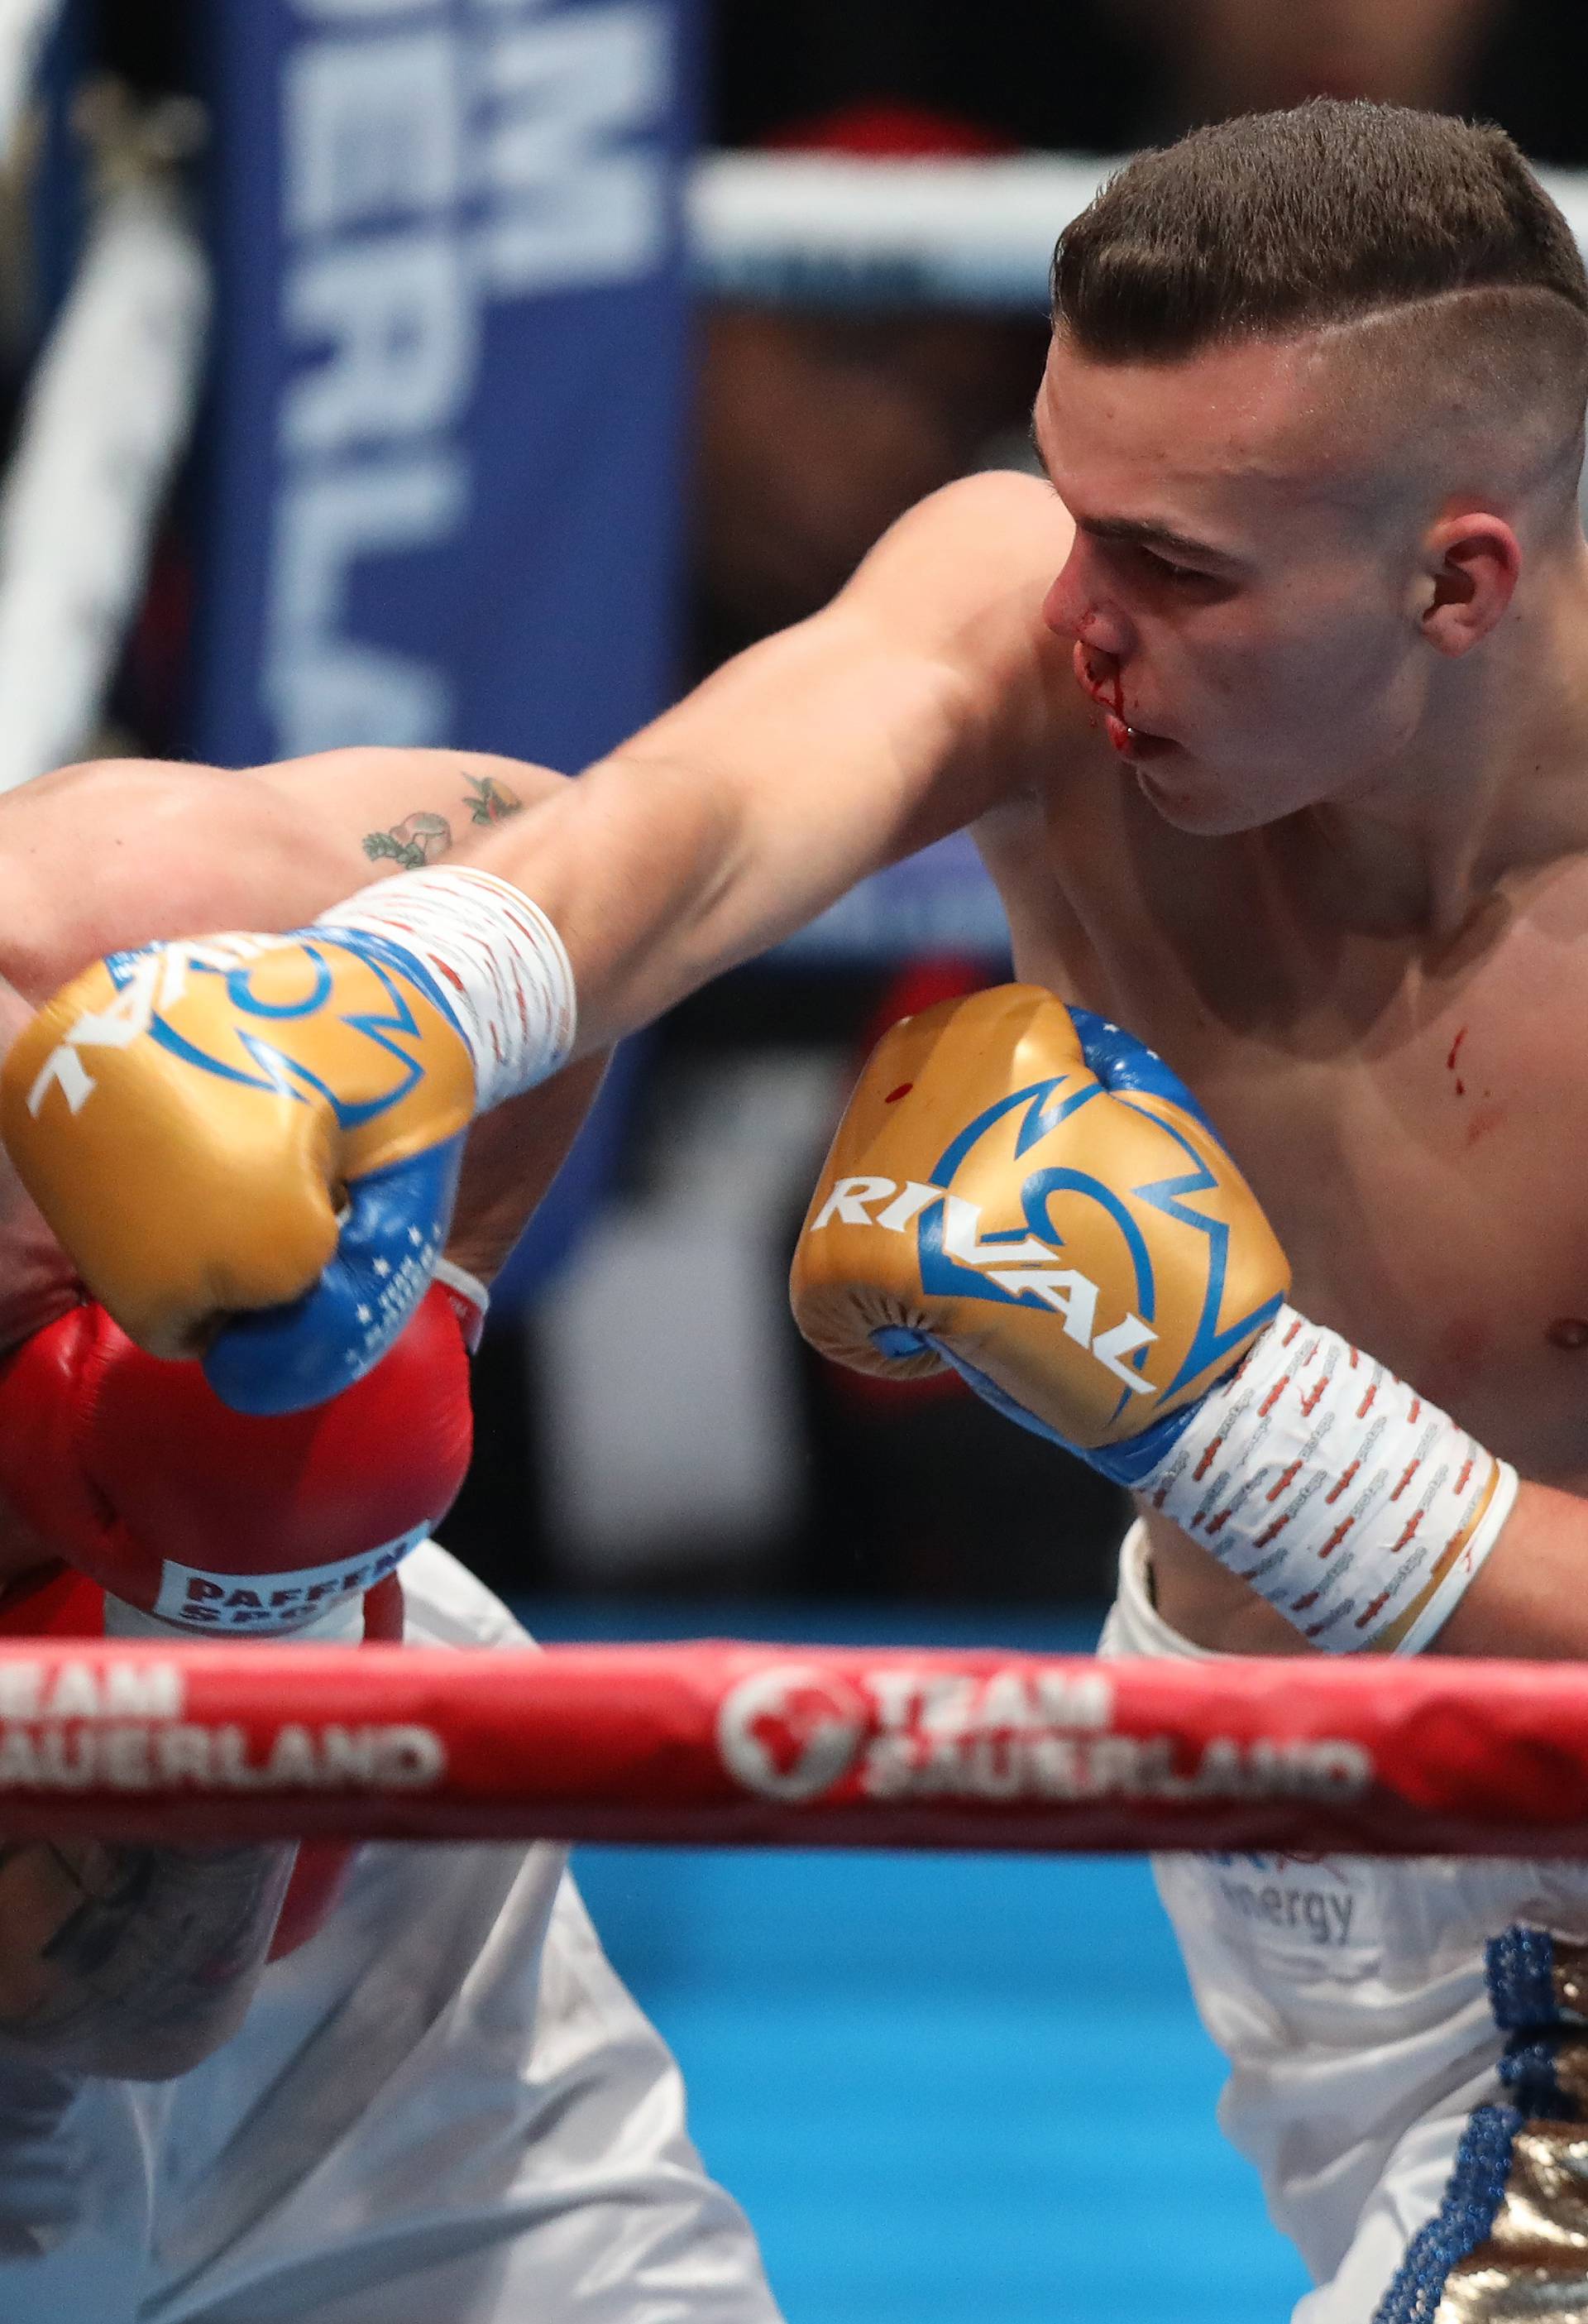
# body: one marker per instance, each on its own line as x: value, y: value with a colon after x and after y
x: 1134, y: 742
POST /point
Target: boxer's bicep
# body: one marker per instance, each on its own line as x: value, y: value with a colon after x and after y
x: 131, y: 1962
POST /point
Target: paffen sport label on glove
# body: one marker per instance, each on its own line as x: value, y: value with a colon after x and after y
x: 250, y: 1144
x: 1025, y: 1193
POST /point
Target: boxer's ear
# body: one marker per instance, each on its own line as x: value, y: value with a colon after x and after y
x: 1473, y: 562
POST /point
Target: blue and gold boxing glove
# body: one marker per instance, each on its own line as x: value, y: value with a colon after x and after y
x: 1027, y: 1193
x: 1022, y: 1191
x: 249, y: 1145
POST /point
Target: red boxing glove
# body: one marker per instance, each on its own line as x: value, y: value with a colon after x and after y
x: 216, y: 1523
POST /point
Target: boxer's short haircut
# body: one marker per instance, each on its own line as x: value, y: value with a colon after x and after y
x: 1278, y: 223
x: 1274, y: 225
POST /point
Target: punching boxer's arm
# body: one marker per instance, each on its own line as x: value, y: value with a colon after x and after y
x: 925, y: 693
x: 255, y: 1084
x: 929, y: 690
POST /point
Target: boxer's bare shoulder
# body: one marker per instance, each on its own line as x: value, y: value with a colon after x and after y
x: 967, y: 544
x: 962, y: 577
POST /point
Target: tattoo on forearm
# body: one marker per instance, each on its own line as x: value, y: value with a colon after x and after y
x: 415, y: 841
x: 125, y: 1947
x: 488, y: 800
x: 419, y: 838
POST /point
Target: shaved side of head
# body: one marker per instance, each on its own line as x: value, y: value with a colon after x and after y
x: 1474, y: 395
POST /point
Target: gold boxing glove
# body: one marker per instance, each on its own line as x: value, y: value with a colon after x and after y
x: 189, y: 1117
x: 1023, y: 1191
x: 249, y: 1145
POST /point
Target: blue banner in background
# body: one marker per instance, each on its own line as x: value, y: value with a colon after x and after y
x: 442, y: 499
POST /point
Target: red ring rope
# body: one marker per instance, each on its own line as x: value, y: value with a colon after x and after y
x: 792, y: 1747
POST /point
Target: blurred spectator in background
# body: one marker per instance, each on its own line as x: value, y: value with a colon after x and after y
x: 1247, y: 56
x: 1103, y: 76
x: 818, y: 427
x: 1517, y: 62
x: 1023, y: 72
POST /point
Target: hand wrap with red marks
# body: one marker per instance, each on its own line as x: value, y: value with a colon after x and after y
x: 1353, y: 1505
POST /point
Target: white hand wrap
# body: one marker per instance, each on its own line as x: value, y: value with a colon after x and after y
x: 496, y: 957
x: 1354, y: 1506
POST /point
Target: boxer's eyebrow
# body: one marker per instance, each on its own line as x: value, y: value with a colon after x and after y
x: 1143, y: 534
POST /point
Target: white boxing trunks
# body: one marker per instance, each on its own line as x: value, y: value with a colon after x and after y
x: 443, y: 2110
x: 1409, y: 2057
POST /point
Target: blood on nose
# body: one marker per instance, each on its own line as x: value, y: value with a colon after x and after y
x: 1099, y: 675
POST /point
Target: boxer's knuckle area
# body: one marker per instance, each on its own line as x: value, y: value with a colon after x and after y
x: 268, y: 1256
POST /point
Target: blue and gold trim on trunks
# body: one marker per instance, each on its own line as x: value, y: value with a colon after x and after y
x: 1509, y: 2243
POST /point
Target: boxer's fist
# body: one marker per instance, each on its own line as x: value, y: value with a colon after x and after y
x: 1022, y: 1191
x: 190, y: 1117
x: 219, y: 1523
x: 275, y: 1123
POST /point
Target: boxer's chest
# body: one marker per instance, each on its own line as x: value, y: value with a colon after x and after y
x: 1417, y: 1128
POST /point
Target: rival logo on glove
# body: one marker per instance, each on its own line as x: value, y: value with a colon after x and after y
x: 1016, y: 1267
x: 369, y: 1039
x: 1021, y: 1192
